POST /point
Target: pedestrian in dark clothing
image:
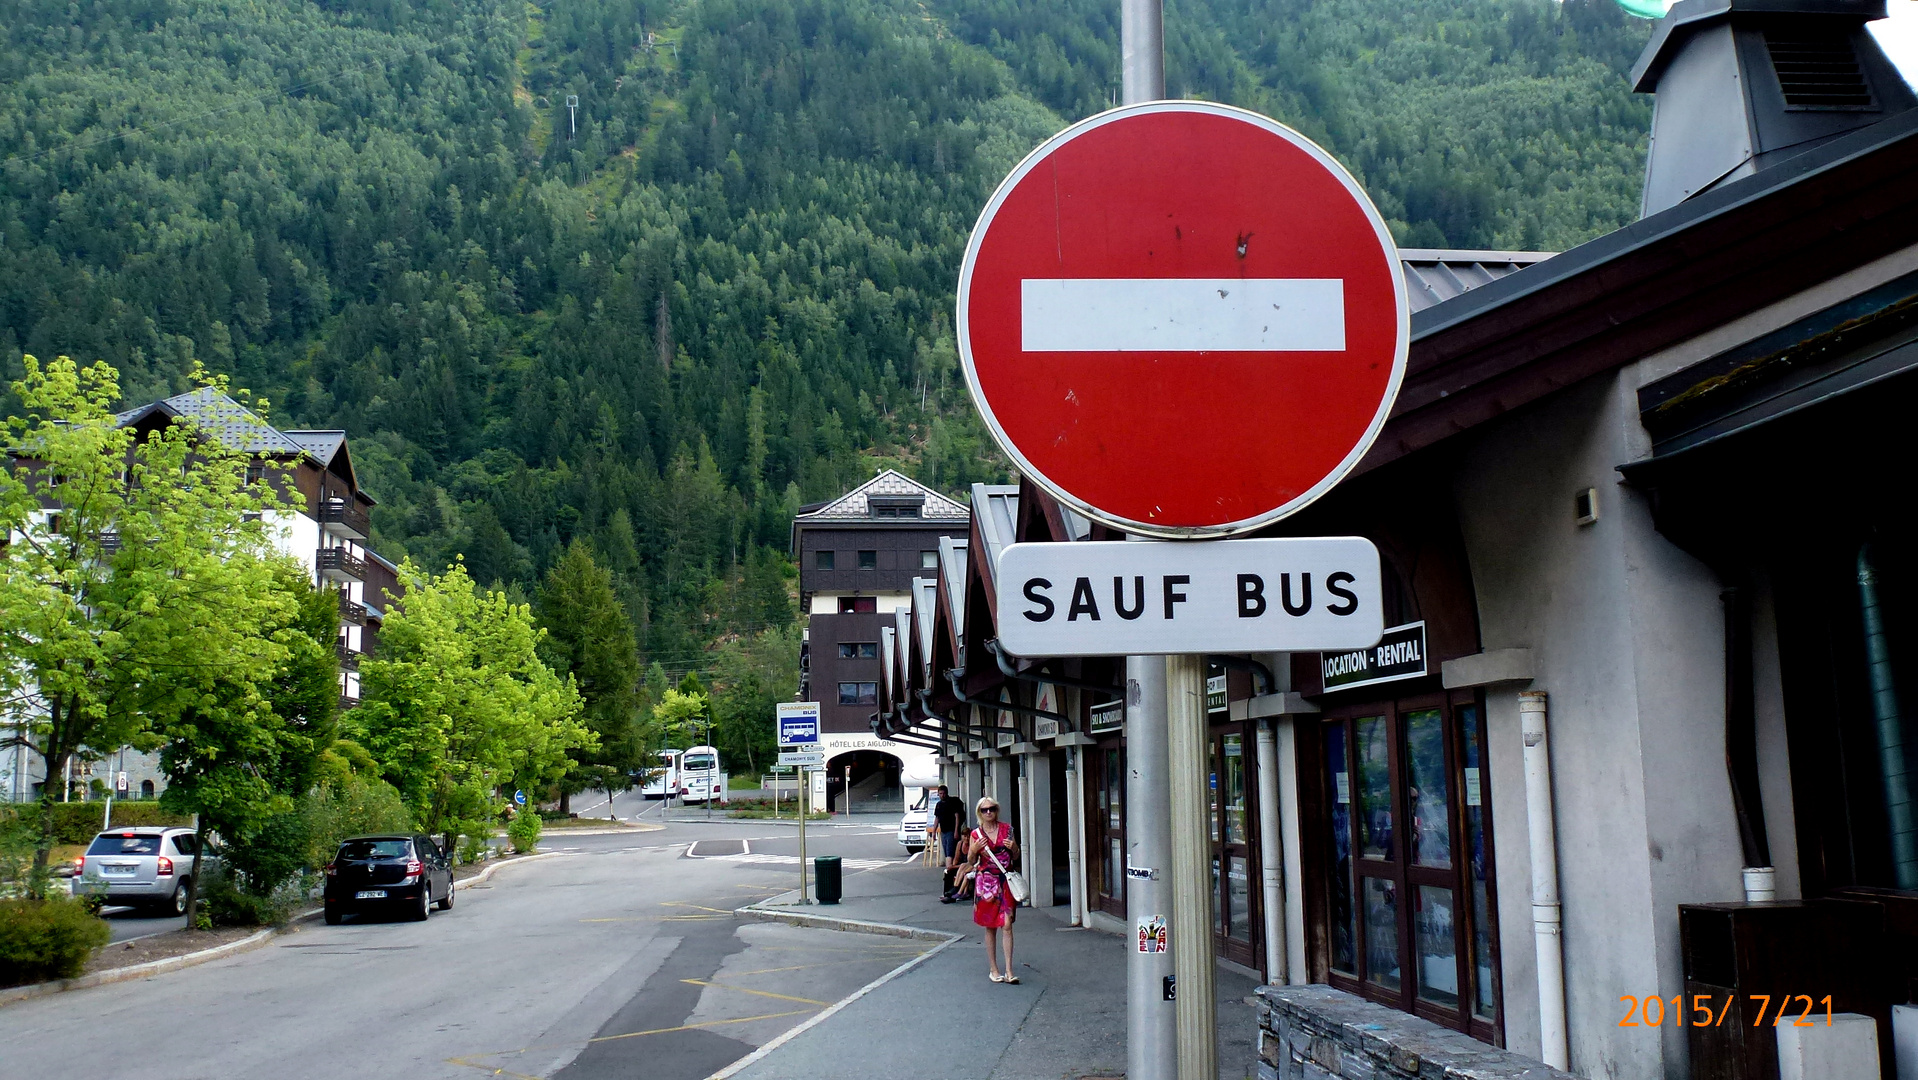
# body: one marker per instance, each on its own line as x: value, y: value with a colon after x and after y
x: 949, y: 814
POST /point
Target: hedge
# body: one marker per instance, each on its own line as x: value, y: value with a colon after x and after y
x: 47, y: 939
x: 79, y: 822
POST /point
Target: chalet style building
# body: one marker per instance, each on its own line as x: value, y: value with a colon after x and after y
x: 858, y: 555
x: 327, y: 536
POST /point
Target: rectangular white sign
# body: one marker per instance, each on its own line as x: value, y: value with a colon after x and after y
x: 1120, y: 598
x: 1182, y: 315
x: 802, y: 759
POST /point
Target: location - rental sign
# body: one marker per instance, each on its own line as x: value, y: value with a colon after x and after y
x: 1183, y: 319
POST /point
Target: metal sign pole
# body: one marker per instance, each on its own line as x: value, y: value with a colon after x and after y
x: 805, y: 796
x: 1151, y: 1029
x: 1192, y: 960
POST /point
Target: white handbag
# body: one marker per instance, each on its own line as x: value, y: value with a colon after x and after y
x: 1015, y: 881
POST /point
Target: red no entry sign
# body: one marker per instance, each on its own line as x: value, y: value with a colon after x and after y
x: 1183, y: 319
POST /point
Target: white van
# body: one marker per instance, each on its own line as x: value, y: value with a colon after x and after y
x: 913, y: 823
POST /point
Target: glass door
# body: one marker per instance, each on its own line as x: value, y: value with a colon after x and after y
x: 1106, y: 827
x: 1234, y: 900
x: 1405, y: 893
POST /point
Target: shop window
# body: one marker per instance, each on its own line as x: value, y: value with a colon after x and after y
x: 858, y: 650
x: 858, y: 693
x: 869, y: 560
x: 1404, y: 882
x: 822, y: 560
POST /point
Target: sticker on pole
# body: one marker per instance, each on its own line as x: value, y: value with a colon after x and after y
x: 1151, y: 934
x: 1182, y: 319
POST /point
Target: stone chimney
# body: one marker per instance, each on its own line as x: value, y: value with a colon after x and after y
x: 1745, y: 84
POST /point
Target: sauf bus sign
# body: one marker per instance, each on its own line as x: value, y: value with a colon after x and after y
x: 1124, y: 599
x: 1186, y: 322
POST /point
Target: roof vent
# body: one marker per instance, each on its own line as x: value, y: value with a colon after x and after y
x: 1745, y: 84
x: 1818, y: 71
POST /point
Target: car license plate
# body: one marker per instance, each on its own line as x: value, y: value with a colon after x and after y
x: 370, y: 894
x: 116, y: 868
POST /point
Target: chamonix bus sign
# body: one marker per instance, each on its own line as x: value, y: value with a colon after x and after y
x: 1185, y: 321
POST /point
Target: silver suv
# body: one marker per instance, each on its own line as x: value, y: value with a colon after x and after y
x: 142, y: 867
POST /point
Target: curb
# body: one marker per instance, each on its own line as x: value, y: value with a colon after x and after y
x: 252, y: 941
x: 762, y: 913
x: 611, y: 830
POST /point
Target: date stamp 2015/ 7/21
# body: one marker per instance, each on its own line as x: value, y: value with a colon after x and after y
x: 1705, y: 1010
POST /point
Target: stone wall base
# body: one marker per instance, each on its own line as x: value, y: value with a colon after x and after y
x: 1318, y: 1033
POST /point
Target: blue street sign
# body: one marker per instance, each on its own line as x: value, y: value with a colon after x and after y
x: 799, y: 723
x: 519, y: 798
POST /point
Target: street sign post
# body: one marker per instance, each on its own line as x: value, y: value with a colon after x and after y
x: 1182, y: 319
x: 1185, y: 321
x: 797, y: 724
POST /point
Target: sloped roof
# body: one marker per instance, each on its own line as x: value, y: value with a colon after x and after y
x: 854, y: 505
x: 1433, y: 276
x: 239, y: 427
x: 321, y: 444
x: 952, y: 567
x: 925, y: 603
x: 997, y: 510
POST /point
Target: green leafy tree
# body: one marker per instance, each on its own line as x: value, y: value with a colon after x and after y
x: 459, y: 705
x: 750, y: 678
x: 139, y: 576
x: 240, y: 754
x: 588, y: 637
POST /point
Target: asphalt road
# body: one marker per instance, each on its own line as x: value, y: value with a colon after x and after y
x: 614, y: 956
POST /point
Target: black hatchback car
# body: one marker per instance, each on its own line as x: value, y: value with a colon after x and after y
x: 404, y: 874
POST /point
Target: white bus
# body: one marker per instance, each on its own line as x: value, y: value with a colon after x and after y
x: 664, y: 780
x: 699, y: 776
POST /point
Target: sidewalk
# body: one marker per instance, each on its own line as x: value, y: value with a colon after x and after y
x: 943, y: 1020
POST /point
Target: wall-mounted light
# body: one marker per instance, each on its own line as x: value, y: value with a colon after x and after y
x: 1585, y: 506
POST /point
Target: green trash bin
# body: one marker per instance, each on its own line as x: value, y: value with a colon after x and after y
x: 825, y: 878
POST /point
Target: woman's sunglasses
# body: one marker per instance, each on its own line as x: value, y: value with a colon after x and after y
x: 988, y: 809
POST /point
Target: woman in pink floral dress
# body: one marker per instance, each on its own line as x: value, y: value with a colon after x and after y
x: 991, y: 853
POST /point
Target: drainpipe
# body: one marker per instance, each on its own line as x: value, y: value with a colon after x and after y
x: 1888, y: 718
x: 1741, y: 747
x: 1547, y: 929
x: 1075, y: 837
x: 1271, y: 854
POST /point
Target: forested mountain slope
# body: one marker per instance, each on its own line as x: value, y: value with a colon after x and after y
x: 729, y: 291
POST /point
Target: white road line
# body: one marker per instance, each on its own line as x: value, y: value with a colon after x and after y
x: 1182, y: 315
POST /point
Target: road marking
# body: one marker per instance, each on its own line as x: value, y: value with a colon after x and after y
x: 1182, y: 315
x: 760, y: 993
x: 467, y: 1060
x: 699, y: 907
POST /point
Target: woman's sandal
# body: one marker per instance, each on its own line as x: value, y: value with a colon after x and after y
x: 995, y: 976
x: 1012, y: 979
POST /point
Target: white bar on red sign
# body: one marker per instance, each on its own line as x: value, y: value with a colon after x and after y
x: 1182, y: 315
x: 1116, y: 598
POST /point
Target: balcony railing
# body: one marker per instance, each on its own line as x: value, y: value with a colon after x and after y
x: 349, y: 660
x: 348, y: 702
x: 351, y: 612
x: 342, y: 518
x: 334, y: 564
